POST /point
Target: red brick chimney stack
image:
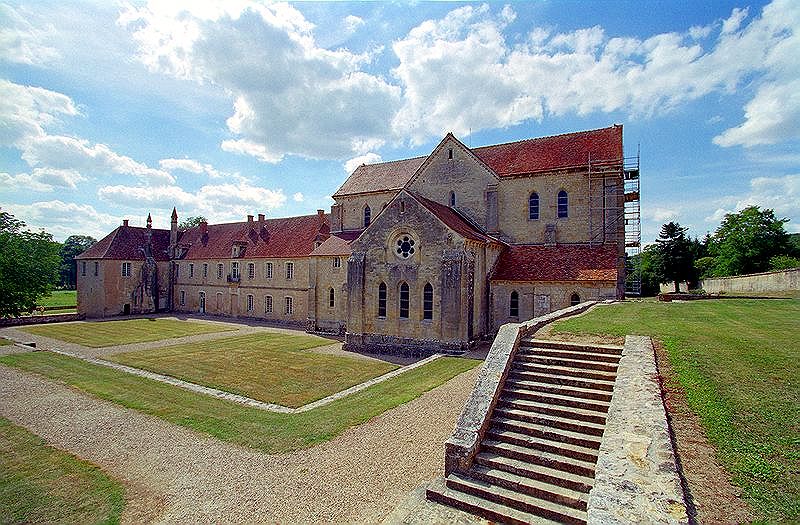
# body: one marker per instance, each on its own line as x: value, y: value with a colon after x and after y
x: 124, y: 222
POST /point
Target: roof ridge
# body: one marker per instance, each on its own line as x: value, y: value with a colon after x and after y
x: 534, y: 139
x: 391, y: 161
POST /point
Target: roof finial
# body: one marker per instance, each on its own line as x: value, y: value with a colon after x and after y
x: 174, y: 214
x: 149, y: 221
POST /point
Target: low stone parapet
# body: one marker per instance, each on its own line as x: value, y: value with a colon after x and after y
x: 41, y: 319
x: 636, y: 477
x: 462, y: 446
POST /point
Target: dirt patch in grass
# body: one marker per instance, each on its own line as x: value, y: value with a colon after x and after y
x: 548, y: 334
x: 711, y: 497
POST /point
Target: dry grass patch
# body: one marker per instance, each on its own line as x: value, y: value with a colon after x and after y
x: 271, y: 367
x: 111, y: 333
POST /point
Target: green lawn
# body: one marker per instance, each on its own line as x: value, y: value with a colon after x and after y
x: 267, y: 431
x: 4, y: 341
x: 111, y: 333
x: 739, y: 363
x: 40, y: 484
x: 65, y: 298
x: 279, y: 367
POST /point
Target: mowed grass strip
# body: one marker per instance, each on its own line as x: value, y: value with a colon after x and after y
x: 110, y: 333
x: 65, y: 298
x: 4, y: 341
x: 270, y: 367
x: 259, y: 429
x: 739, y: 363
x: 40, y: 484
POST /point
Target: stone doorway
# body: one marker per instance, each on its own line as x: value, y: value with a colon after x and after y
x: 202, y: 302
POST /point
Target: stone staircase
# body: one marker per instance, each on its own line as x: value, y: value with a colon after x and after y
x: 536, y: 461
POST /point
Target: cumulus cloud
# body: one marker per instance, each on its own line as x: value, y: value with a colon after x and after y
x: 291, y: 97
x: 781, y: 194
x: 221, y: 202
x: 369, y: 158
x: 189, y: 165
x: 62, y: 219
x: 298, y: 197
x: 352, y: 23
x: 21, y: 41
x: 41, y: 180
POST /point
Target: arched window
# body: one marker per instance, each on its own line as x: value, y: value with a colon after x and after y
x: 533, y: 206
x: 563, y: 202
x: 331, y: 298
x: 382, y: 300
x: 367, y: 216
x: 574, y: 299
x: 427, y: 302
x: 452, y: 198
x: 404, y: 299
x: 513, y: 305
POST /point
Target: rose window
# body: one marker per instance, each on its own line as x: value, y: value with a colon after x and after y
x: 404, y: 247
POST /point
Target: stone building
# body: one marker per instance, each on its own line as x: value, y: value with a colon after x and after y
x: 418, y: 255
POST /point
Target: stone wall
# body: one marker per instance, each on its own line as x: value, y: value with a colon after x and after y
x: 106, y: 292
x: 325, y: 275
x: 351, y: 207
x: 756, y: 283
x: 41, y: 319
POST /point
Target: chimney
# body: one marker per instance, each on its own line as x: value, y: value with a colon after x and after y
x: 249, y: 219
x: 260, y: 218
x: 149, y: 221
x: 203, y: 227
x: 124, y: 222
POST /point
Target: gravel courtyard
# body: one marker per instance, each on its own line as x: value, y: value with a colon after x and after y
x: 174, y: 475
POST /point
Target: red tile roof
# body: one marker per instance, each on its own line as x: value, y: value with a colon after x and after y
x: 384, y: 176
x: 127, y: 243
x: 286, y: 237
x: 548, y: 153
x: 563, y: 262
x: 333, y: 246
x: 454, y: 220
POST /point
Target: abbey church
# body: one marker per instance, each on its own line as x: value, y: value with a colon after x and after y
x: 418, y: 255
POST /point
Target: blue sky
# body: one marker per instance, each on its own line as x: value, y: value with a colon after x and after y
x: 113, y: 110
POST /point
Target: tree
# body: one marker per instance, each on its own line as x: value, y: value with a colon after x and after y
x: 74, y: 245
x: 746, y: 241
x: 191, y: 222
x: 675, y: 262
x: 29, y: 264
x: 647, y: 262
x: 784, y: 262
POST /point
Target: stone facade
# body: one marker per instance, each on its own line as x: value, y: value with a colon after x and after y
x: 457, y: 243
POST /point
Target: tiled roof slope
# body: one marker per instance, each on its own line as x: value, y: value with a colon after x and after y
x: 563, y: 262
x: 385, y: 176
x: 453, y: 220
x: 286, y: 237
x: 333, y: 246
x: 127, y: 243
x: 548, y: 153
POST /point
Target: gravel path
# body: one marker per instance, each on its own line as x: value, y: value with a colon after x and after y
x: 175, y: 475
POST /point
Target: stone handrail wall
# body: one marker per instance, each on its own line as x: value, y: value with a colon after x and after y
x: 41, y: 319
x: 636, y: 477
x: 462, y: 446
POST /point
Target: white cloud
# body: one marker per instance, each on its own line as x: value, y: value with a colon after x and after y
x: 298, y: 197
x: 781, y: 194
x: 291, y: 96
x: 41, y: 180
x: 369, y: 158
x: 352, y: 23
x: 189, y: 165
x: 218, y: 203
x: 62, y: 219
x: 21, y: 41
x: 25, y: 111
x: 733, y: 23
x: 661, y: 215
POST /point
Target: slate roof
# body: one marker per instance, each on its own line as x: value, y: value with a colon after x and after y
x: 548, y: 153
x: 333, y: 246
x: 127, y: 243
x: 384, y: 176
x: 285, y: 237
x: 563, y: 262
x: 513, y: 158
x: 454, y: 220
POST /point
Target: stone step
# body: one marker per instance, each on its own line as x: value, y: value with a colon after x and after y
x: 582, y: 427
x: 565, y: 354
x: 537, y: 489
x: 580, y: 414
x: 572, y: 347
x: 545, y: 445
x: 538, y: 457
x: 556, y: 399
x: 571, y: 363
x: 439, y: 492
x: 510, y: 498
x: 564, y: 370
x: 538, y: 472
x: 558, y: 379
x: 563, y: 390
x: 545, y: 432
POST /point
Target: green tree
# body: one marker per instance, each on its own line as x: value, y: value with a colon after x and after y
x: 29, y: 264
x: 191, y: 222
x: 74, y: 245
x: 746, y: 241
x: 675, y: 262
x: 783, y: 262
x: 704, y: 267
x: 647, y: 262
